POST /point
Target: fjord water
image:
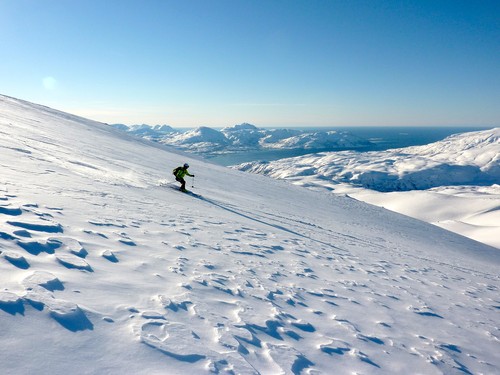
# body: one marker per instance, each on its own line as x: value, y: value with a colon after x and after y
x: 381, y: 138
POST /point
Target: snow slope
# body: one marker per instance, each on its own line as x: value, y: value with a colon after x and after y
x: 471, y: 211
x: 103, y: 271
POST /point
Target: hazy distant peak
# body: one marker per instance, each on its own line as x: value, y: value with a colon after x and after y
x: 240, y: 127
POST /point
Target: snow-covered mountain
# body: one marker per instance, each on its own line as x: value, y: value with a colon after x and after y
x: 462, y: 159
x: 245, y: 136
x: 103, y: 271
x: 202, y: 139
x: 463, y: 168
x: 312, y: 140
x: 147, y: 131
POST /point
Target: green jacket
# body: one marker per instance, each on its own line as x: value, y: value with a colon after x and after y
x: 181, y: 172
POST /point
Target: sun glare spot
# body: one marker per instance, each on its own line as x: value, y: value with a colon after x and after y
x: 49, y: 83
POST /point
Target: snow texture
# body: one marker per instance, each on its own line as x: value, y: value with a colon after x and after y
x: 105, y: 271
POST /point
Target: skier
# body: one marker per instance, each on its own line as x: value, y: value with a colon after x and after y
x: 179, y: 174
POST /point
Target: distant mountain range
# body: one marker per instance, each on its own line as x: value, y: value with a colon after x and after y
x: 245, y: 137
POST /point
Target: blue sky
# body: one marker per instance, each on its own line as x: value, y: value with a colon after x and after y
x: 271, y: 63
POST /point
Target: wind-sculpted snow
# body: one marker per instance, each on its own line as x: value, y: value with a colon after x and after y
x: 250, y: 276
x: 207, y: 141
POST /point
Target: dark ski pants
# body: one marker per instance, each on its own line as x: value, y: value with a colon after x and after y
x: 182, y: 181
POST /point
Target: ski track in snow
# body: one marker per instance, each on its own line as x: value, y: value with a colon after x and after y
x: 124, y: 277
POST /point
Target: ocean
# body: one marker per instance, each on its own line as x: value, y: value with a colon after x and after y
x: 382, y: 138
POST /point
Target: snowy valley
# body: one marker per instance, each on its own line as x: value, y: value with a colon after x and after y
x: 107, y: 269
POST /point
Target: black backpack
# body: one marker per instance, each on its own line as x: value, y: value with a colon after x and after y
x: 176, y: 170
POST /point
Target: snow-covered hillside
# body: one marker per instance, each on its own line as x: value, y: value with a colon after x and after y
x: 245, y: 136
x: 462, y: 159
x: 103, y: 271
x: 460, y: 176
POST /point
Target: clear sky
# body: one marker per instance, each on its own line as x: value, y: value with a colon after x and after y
x: 268, y: 62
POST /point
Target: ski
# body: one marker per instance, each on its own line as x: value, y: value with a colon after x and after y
x: 189, y: 192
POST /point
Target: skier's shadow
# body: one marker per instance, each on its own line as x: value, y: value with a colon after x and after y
x: 275, y: 226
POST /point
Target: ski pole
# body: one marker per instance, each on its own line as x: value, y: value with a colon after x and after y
x: 192, y: 182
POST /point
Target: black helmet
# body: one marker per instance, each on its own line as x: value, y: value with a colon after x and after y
x: 186, y: 165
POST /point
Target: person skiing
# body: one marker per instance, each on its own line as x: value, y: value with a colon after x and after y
x: 179, y: 174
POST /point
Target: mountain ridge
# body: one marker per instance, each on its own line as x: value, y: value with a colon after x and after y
x: 246, y: 137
